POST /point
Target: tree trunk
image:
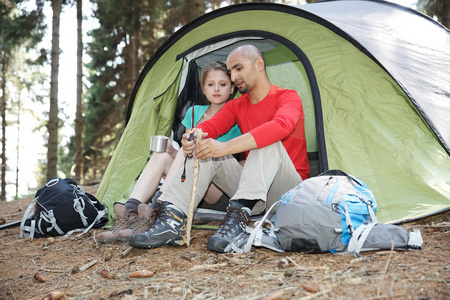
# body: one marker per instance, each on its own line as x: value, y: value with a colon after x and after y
x: 3, y: 113
x: 52, y: 126
x: 193, y: 9
x: 446, y: 14
x: 79, y: 136
x: 18, y: 144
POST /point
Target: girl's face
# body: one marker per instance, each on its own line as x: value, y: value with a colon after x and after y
x: 217, y: 87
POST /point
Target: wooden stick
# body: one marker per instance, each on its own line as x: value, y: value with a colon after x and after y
x: 88, y: 265
x: 126, y: 251
x: 187, y: 236
x: 380, y: 284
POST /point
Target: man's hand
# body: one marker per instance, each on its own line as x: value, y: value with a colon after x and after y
x: 189, y: 145
x: 208, y: 148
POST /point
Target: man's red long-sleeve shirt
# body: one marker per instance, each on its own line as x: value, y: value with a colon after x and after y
x: 278, y: 117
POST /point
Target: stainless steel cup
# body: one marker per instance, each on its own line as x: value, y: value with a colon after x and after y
x: 158, y: 143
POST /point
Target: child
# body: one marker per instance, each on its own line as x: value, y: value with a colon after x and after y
x: 136, y: 216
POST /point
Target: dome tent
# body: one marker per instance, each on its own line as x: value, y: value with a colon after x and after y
x: 372, y: 75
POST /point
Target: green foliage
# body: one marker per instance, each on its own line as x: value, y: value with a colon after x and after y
x: 18, y: 28
x: 129, y: 33
x: 438, y: 9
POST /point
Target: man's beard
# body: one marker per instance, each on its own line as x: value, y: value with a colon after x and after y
x: 243, y: 89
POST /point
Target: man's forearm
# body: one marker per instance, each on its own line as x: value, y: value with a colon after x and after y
x: 241, y: 143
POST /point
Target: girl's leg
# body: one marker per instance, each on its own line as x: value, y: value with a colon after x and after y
x: 157, y: 167
x: 212, y: 194
x: 179, y: 160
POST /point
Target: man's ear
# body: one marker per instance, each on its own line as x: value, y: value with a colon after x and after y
x: 260, y: 64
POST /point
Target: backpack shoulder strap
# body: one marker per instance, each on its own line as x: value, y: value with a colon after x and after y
x: 49, y: 217
x: 256, y: 236
x: 359, y: 236
x: 79, y: 202
x: 27, y: 230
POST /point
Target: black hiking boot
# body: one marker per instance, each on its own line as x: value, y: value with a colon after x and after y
x: 168, y: 229
x: 233, y: 225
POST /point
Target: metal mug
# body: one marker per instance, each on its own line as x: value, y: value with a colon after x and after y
x: 158, y: 143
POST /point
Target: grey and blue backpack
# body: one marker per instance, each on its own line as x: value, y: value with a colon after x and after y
x: 333, y: 212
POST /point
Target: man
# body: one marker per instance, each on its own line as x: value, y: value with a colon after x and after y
x: 273, y: 137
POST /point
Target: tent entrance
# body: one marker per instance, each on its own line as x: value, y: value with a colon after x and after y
x: 287, y: 67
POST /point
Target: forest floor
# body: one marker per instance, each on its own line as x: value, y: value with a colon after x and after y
x: 82, y: 268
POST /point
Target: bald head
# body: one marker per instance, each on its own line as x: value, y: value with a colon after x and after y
x: 247, y: 51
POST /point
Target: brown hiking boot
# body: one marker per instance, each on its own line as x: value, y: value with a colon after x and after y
x: 146, y: 217
x: 121, y: 221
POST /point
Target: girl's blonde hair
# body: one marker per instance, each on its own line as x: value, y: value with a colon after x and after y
x: 215, y: 65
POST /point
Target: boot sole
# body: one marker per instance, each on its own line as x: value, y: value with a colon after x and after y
x: 125, y: 240
x: 107, y: 241
x: 155, y: 244
x: 217, y: 245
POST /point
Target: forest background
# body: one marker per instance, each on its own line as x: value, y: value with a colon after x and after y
x: 47, y: 131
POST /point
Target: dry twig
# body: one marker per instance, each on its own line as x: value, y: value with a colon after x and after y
x: 292, y: 261
x: 385, y: 269
x: 208, y: 267
x: 12, y: 293
x: 126, y: 251
x: 88, y: 265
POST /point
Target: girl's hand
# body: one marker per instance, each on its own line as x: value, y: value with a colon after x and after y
x: 170, y: 149
x: 169, y: 146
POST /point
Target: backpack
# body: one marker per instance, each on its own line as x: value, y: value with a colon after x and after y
x: 333, y: 212
x: 61, y: 207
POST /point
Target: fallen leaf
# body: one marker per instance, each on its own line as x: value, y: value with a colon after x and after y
x: 142, y: 274
x: 39, y: 277
x: 310, y: 288
x: 107, y: 274
x: 277, y: 295
x: 54, y: 295
x: 108, y: 256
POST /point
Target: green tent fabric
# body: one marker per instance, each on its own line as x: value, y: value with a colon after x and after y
x: 373, y: 78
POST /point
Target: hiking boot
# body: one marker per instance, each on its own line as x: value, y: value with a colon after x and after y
x: 233, y: 225
x: 168, y: 229
x: 146, y: 218
x: 119, y: 223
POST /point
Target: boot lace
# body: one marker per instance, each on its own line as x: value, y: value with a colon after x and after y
x: 234, y: 217
x: 118, y: 222
x: 162, y: 215
x: 158, y: 209
x: 143, y: 221
x: 140, y: 222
